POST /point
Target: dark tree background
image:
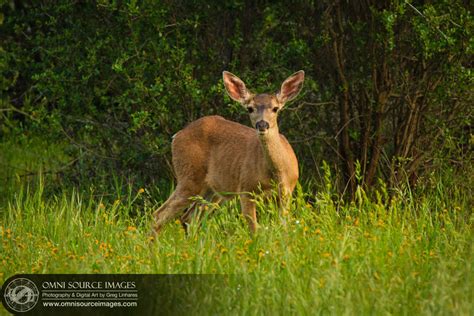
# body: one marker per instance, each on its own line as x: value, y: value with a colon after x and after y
x: 388, y: 93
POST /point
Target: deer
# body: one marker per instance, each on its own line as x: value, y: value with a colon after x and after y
x: 212, y: 156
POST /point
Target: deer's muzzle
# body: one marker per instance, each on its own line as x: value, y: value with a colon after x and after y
x: 262, y: 126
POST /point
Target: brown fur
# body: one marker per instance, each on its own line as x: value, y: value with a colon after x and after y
x: 218, y: 159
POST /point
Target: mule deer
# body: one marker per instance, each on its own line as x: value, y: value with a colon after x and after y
x: 213, y: 155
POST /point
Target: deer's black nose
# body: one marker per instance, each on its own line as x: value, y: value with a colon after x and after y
x: 262, y: 126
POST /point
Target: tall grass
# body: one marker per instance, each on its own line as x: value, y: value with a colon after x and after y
x: 388, y: 254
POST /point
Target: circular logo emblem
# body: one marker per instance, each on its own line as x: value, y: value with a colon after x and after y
x: 21, y: 295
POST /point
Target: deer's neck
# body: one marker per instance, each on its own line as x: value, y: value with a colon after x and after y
x: 274, y: 153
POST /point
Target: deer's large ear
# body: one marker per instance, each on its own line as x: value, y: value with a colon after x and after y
x: 235, y: 87
x: 291, y: 87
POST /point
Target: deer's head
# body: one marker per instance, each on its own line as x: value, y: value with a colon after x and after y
x: 263, y: 108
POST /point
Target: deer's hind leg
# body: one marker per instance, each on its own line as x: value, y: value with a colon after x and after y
x: 176, y: 203
x: 196, y: 211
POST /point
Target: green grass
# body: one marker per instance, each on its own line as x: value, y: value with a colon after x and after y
x: 400, y: 253
x: 406, y: 256
x: 22, y: 157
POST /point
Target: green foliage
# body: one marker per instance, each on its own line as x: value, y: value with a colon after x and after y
x: 117, y: 79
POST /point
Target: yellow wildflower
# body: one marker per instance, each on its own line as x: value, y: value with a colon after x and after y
x: 8, y: 232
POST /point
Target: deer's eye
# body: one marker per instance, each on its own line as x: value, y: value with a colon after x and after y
x: 250, y: 109
x: 275, y: 109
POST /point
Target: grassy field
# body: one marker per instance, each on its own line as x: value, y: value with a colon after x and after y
x: 409, y: 254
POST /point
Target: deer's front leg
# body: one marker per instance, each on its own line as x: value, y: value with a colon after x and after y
x: 249, y: 211
x: 284, y: 203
